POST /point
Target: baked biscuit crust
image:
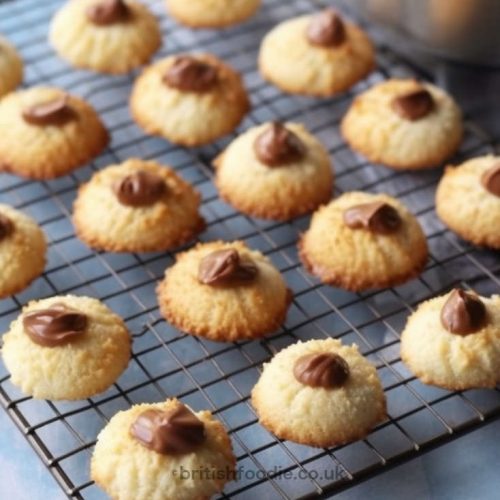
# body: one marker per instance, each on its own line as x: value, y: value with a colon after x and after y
x: 189, y: 118
x: 279, y: 193
x: 451, y: 361
x: 11, y: 67
x: 46, y: 152
x: 223, y: 313
x: 357, y: 259
x: 212, y: 13
x: 466, y: 207
x: 102, y: 222
x: 127, y: 470
x: 77, y: 370
x: 316, y: 416
x: 289, y: 61
x: 22, y: 254
x: 115, y: 48
x: 372, y: 128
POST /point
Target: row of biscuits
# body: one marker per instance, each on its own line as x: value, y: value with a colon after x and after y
x: 317, y: 393
x: 276, y: 171
x: 327, y: 55
x: 238, y: 293
x: 381, y: 122
x: 140, y: 450
x: 356, y: 241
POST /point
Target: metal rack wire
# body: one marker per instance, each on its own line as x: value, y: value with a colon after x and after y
x: 204, y: 374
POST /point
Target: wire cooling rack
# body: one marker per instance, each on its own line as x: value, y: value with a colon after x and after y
x: 220, y: 376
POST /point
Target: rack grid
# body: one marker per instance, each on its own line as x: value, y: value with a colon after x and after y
x: 220, y: 376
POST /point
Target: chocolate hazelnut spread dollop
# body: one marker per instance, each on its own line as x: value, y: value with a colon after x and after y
x: 326, y: 29
x: 377, y: 216
x: 55, y: 326
x: 414, y: 105
x: 225, y: 267
x: 177, y: 431
x: 491, y: 180
x: 108, y: 12
x: 55, y: 112
x: 190, y: 74
x: 277, y: 146
x: 6, y: 227
x: 463, y: 313
x: 327, y: 370
x: 140, y: 189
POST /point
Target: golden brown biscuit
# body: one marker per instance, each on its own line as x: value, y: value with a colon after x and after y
x: 66, y: 347
x: 404, y: 124
x: 137, y: 206
x: 22, y: 251
x: 275, y: 171
x: 453, y: 341
x: 194, y: 458
x: 212, y: 13
x: 110, y: 36
x: 362, y: 241
x: 189, y: 99
x: 317, y: 55
x: 47, y: 133
x: 225, y: 292
x: 319, y: 393
x: 468, y: 200
x: 11, y: 67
